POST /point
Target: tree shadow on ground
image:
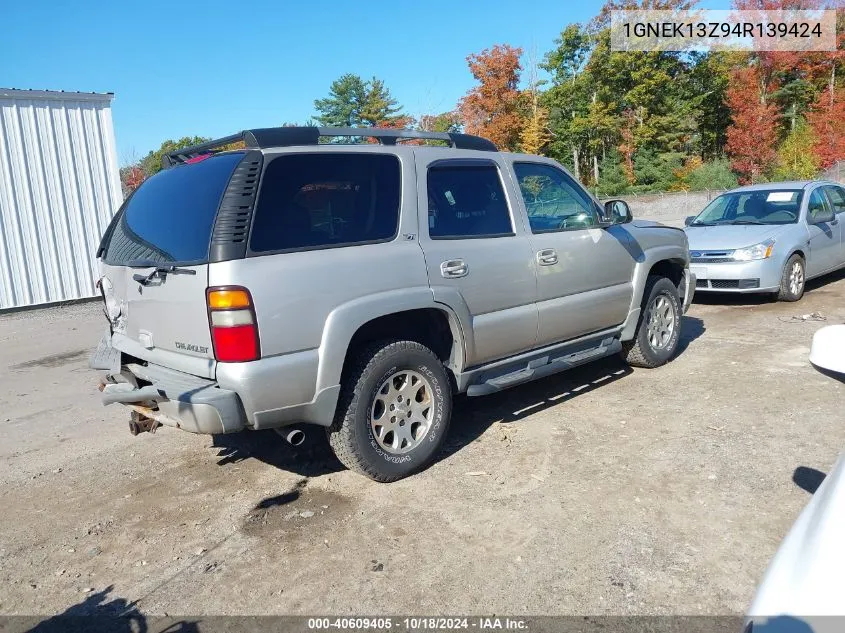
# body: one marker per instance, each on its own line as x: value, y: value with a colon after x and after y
x: 100, y: 613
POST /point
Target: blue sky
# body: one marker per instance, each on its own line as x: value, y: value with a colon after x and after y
x: 182, y: 68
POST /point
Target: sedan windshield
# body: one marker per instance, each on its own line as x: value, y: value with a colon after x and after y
x: 770, y: 206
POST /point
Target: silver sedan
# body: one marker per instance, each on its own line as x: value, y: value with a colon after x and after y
x: 768, y: 238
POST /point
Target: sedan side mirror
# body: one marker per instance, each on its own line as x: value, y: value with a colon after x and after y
x: 617, y: 212
x: 689, y: 219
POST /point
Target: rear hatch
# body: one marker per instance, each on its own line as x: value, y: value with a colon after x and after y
x: 154, y: 265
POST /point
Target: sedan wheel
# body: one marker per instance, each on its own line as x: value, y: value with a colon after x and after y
x: 793, y: 279
x: 796, y: 278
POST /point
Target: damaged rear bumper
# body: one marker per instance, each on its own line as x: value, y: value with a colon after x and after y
x: 169, y: 397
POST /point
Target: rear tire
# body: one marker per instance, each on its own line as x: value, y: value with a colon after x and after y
x: 393, y: 412
x: 659, y: 326
x: 792, y: 279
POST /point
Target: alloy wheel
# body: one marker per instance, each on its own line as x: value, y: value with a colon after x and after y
x: 661, y: 320
x: 402, y: 411
x: 796, y: 278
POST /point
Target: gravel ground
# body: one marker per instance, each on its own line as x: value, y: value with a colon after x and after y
x: 600, y: 491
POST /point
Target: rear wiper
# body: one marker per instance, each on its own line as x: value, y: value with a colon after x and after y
x: 161, y: 272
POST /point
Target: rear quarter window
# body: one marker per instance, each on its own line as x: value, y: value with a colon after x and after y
x: 310, y: 201
x: 169, y: 218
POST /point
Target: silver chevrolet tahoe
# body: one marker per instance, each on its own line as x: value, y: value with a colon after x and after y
x: 306, y: 278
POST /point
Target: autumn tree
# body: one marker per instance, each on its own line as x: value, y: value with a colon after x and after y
x: 151, y: 163
x: 535, y: 133
x: 445, y: 122
x: 401, y: 122
x: 827, y: 121
x: 795, y: 159
x: 602, y: 20
x: 131, y: 178
x: 752, y: 136
x: 354, y: 102
x: 491, y: 109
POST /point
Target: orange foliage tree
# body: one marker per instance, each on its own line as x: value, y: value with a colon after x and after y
x: 131, y: 178
x: 491, y: 109
x: 827, y: 120
x: 753, y: 134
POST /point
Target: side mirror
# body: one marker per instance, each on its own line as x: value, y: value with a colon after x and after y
x: 688, y: 220
x: 822, y: 216
x: 617, y: 212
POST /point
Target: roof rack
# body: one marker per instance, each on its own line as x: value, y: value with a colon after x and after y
x: 263, y: 138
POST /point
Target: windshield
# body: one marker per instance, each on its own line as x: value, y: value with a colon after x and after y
x: 770, y: 206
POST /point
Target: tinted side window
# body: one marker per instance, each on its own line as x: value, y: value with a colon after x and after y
x: 837, y: 198
x: 553, y: 200
x: 466, y: 201
x: 170, y: 217
x: 324, y: 200
x: 816, y: 205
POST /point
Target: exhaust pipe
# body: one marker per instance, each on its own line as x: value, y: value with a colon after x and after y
x: 294, y: 437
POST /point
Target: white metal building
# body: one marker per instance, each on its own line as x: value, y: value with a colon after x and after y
x: 59, y: 188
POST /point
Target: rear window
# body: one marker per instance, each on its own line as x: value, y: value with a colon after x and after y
x: 324, y: 200
x: 170, y: 217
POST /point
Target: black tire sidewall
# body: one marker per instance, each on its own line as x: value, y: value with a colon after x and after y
x: 664, y: 287
x: 429, y: 366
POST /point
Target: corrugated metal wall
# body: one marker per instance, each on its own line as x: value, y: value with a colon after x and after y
x: 59, y: 187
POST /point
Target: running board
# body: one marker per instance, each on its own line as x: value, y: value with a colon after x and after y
x: 545, y: 366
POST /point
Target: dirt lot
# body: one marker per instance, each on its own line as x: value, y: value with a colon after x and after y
x: 601, y: 491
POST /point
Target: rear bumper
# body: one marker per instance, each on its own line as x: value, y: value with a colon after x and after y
x: 175, y: 399
x: 269, y: 393
x: 170, y: 397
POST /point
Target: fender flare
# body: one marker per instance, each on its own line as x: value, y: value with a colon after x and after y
x: 668, y: 252
x: 345, y: 320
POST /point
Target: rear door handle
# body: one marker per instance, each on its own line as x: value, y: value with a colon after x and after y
x: 454, y: 268
x: 547, y: 257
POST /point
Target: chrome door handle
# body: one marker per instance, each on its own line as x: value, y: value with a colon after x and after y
x: 547, y: 257
x: 454, y: 268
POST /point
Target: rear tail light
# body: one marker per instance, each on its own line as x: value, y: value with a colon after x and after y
x: 234, y: 329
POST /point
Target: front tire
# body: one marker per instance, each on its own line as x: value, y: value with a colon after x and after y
x: 659, y: 326
x: 393, y: 412
x: 793, y: 279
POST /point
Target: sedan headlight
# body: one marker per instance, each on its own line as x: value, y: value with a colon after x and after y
x: 763, y: 250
